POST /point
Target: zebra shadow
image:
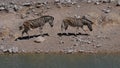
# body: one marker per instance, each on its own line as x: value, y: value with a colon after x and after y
x: 72, y: 34
x: 29, y: 37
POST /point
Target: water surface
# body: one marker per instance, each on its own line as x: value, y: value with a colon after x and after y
x: 60, y: 61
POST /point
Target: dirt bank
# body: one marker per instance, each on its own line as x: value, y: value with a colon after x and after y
x: 104, y: 37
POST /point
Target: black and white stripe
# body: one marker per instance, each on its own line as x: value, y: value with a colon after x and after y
x: 76, y: 22
x: 35, y: 23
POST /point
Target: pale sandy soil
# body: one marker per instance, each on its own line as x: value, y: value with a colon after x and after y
x: 103, y: 38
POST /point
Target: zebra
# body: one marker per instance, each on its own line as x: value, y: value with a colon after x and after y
x: 36, y: 23
x: 76, y: 22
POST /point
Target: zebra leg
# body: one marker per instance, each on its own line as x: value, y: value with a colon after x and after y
x: 66, y: 27
x: 40, y: 30
x: 76, y: 31
x: 62, y: 28
x: 25, y: 31
x: 28, y: 34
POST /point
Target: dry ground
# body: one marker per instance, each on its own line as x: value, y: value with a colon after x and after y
x: 105, y: 37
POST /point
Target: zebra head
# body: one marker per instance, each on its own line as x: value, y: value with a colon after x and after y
x: 48, y: 19
x: 87, y: 22
x: 51, y: 21
x: 89, y: 25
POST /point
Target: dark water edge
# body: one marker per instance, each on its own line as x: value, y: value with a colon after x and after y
x: 60, y: 61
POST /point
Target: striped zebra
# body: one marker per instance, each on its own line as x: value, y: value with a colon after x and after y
x: 36, y: 23
x: 76, y: 22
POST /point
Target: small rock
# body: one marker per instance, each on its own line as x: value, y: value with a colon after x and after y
x: 78, y: 6
x: 89, y: 1
x: 68, y: 1
x: 109, y: 7
x: 118, y: 3
x: 81, y: 51
x: 23, y: 16
x: 16, y: 8
x: 14, y: 49
x: 97, y: 3
x: 106, y: 1
x: 38, y: 2
x: 97, y: 46
x: 45, y: 3
x: 39, y: 39
x: 38, y: 6
x: 32, y: 10
x: 58, y: 5
x: 2, y: 4
x: 10, y: 50
x: 36, y: 13
x: 12, y: 2
x: 23, y: 51
x: 89, y: 42
x: 2, y: 8
x: 70, y: 51
x: 73, y: 3
x: 48, y: 7
x: 106, y: 10
x: 102, y: 37
x: 85, y: 41
x: 76, y: 16
x: 76, y: 44
x: 5, y: 50
x: 27, y: 4
x: 57, y: 1
x: 61, y: 42
x: 98, y: 36
x: 11, y: 10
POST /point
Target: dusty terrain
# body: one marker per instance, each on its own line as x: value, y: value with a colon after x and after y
x: 105, y: 36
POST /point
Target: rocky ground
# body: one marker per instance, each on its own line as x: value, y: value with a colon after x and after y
x: 104, y: 37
